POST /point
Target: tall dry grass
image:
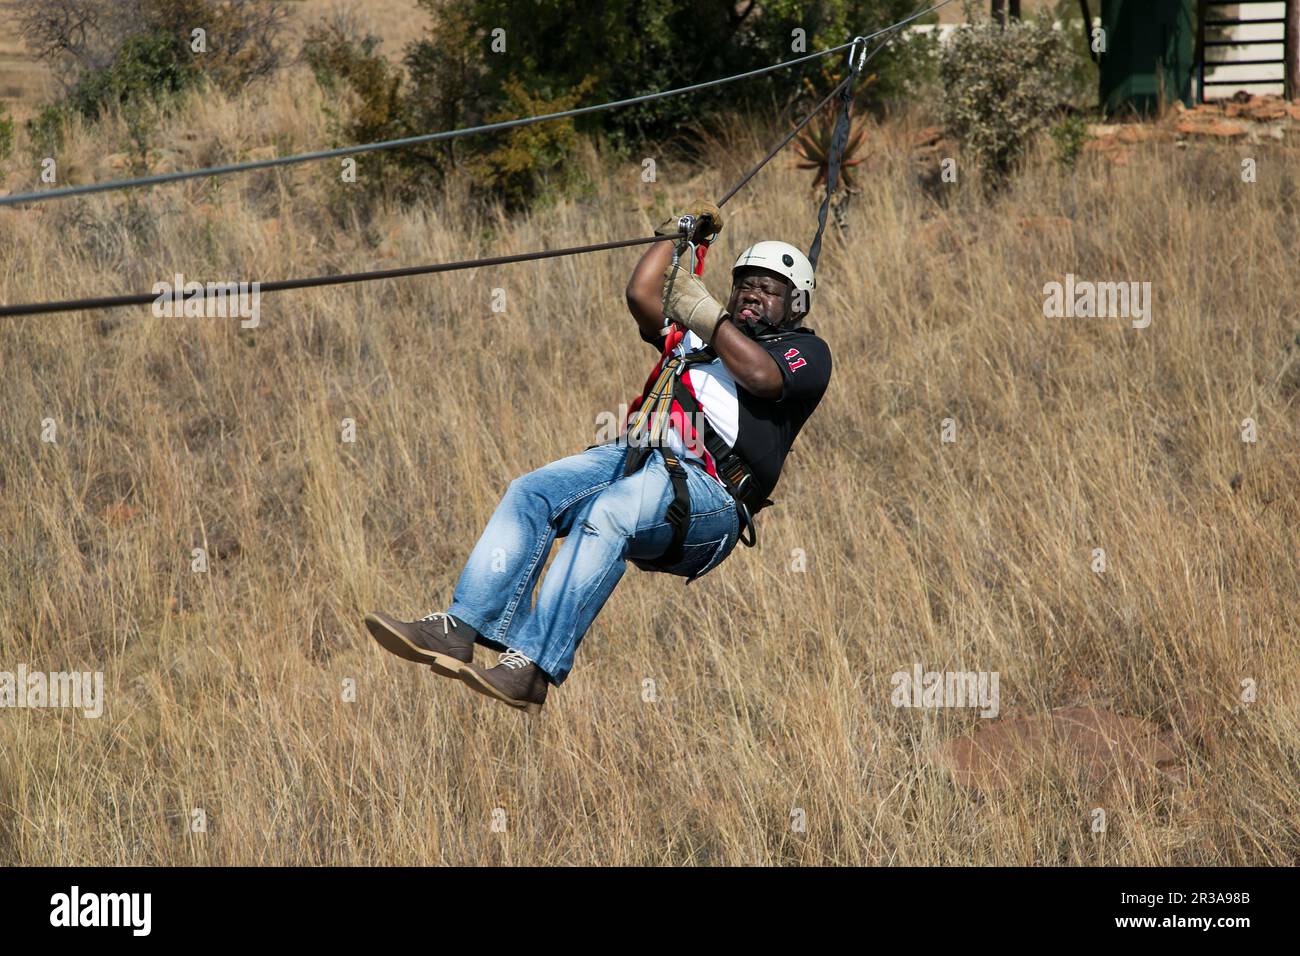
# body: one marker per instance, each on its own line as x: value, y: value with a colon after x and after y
x: 224, y: 689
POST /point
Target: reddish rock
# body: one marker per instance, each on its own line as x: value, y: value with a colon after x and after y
x: 1267, y: 111
x: 1103, y: 746
x: 1135, y: 133
x: 1217, y: 128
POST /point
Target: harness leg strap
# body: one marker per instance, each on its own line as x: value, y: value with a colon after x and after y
x: 678, y: 514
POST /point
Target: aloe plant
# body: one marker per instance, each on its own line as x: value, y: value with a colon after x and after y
x: 813, y: 147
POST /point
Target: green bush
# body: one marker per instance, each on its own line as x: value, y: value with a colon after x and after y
x: 119, y: 51
x: 146, y: 67
x: 625, y: 48
x: 364, y: 104
x: 45, y: 130
x: 1001, y: 85
x: 530, y: 161
x: 345, y: 63
x: 1069, y: 135
x: 569, y: 56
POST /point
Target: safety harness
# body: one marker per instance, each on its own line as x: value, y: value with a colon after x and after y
x: 668, y: 401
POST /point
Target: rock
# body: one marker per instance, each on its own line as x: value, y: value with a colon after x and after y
x: 1101, y: 744
x: 1217, y: 128
x: 1265, y: 109
x: 1135, y: 133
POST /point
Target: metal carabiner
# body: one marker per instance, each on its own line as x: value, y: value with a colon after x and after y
x: 679, y: 246
x: 861, y: 54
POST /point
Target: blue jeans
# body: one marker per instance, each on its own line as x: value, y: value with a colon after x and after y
x: 606, y: 519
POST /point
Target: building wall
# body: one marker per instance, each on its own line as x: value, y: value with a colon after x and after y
x: 1251, y: 11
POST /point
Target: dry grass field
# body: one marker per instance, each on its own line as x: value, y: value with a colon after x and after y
x: 225, y: 689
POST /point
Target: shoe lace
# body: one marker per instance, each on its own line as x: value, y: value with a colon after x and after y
x: 442, y: 616
x: 513, y: 660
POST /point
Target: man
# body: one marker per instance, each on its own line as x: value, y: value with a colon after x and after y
x: 702, y: 451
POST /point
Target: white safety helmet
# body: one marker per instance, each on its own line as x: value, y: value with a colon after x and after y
x: 780, y: 257
x: 783, y: 259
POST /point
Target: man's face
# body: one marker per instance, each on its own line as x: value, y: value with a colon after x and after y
x: 758, y: 295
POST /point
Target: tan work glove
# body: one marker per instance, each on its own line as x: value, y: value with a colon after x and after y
x: 690, y: 304
x: 699, y: 209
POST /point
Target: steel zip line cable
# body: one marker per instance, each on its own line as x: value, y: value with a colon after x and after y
x: 278, y: 285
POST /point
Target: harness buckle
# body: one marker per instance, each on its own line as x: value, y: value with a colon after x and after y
x: 678, y: 514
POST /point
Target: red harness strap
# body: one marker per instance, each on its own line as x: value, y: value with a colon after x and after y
x: 677, y: 417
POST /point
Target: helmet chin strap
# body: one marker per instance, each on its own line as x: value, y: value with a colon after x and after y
x: 759, y: 329
x: 763, y: 329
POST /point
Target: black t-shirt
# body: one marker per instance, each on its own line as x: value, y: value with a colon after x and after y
x: 761, y: 430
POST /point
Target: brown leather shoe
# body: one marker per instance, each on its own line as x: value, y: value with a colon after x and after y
x: 515, y: 680
x: 439, y: 640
